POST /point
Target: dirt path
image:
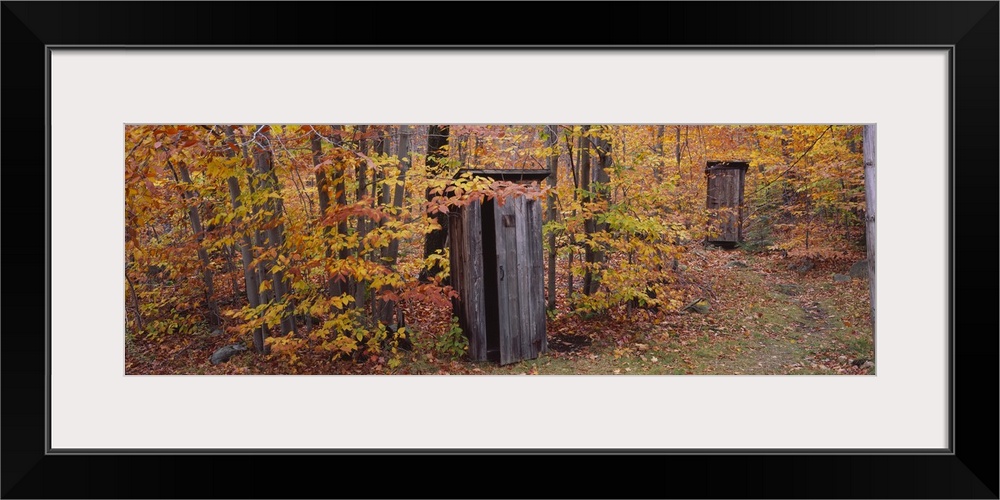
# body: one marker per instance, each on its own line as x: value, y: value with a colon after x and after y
x: 787, y: 321
x: 763, y: 319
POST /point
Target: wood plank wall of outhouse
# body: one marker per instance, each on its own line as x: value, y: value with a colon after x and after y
x: 498, y: 275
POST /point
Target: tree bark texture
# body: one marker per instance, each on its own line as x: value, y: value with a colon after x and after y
x: 870, y: 227
x: 437, y: 142
x: 338, y: 184
x: 386, y: 309
x: 206, y: 265
x: 246, y: 247
x: 275, y: 229
x: 552, y: 145
x: 602, y: 194
x: 323, y: 192
x: 589, y: 224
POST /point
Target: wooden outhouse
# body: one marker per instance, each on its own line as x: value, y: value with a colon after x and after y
x: 498, y: 272
x: 725, y: 201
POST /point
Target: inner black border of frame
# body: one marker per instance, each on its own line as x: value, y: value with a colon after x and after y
x: 29, y: 29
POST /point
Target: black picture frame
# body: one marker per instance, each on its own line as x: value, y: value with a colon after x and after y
x: 968, y: 470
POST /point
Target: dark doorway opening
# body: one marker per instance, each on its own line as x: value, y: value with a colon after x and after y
x: 490, y: 281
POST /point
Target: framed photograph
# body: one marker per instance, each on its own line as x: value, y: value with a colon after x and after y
x: 917, y: 79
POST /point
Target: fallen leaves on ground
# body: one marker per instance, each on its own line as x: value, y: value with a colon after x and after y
x: 752, y: 328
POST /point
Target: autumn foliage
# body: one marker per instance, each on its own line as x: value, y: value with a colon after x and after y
x: 308, y: 241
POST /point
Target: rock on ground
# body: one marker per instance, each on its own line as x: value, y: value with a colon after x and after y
x: 859, y: 269
x: 224, y: 353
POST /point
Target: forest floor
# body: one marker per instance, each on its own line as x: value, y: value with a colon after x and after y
x: 764, y: 317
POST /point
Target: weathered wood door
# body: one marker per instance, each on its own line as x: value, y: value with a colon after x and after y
x: 520, y: 287
x: 725, y: 201
x: 465, y: 228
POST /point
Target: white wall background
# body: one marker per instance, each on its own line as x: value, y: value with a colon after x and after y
x: 94, y: 405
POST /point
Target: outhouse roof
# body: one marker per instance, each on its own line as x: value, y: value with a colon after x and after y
x: 511, y: 175
x: 722, y: 165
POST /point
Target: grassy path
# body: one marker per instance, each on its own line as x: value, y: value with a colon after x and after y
x: 763, y: 319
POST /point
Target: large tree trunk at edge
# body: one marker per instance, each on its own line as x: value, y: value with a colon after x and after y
x: 870, y: 230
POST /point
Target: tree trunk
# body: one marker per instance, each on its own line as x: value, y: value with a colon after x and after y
x: 323, y: 191
x: 437, y: 142
x: 658, y: 168
x: 870, y: 230
x: 230, y: 254
x: 206, y: 265
x: 264, y: 163
x: 387, y: 308
x: 382, y: 144
x: 589, y: 224
x: 677, y: 149
x: 601, y: 193
x: 602, y: 190
x: 258, y: 235
x: 552, y: 145
x: 250, y: 279
x: 361, y: 287
x: 378, y: 176
x: 339, y: 185
x: 850, y: 136
x: 572, y: 236
x: 386, y: 145
x: 687, y: 148
x: 135, y: 304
